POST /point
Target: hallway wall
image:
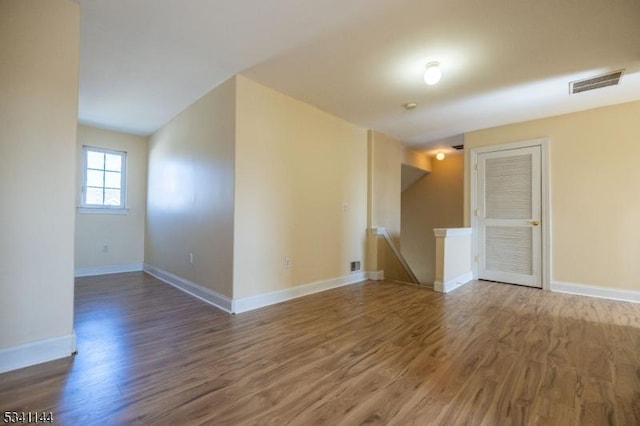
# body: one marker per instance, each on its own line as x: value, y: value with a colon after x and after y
x: 434, y: 201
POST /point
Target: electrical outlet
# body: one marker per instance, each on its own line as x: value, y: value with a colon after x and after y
x: 191, y: 258
x: 105, y: 248
x: 345, y: 207
x: 287, y: 262
x: 355, y: 266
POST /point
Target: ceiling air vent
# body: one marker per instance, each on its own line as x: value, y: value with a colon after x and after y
x: 458, y: 147
x: 610, y: 79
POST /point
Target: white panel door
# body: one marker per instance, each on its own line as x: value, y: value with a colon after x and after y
x: 508, y: 216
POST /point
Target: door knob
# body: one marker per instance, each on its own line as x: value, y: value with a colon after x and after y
x: 534, y: 222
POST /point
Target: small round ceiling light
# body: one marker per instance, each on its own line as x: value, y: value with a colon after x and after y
x: 440, y: 156
x: 410, y: 105
x: 432, y: 74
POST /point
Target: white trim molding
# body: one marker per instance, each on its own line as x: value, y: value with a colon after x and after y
x: 451, y: 285
x: 595, y: 291
x: 375, y: 275
x: 258, y: 301
x: 451, y: 232
x: 244, y: 304
x: 108, y: 269
x: 37, y: 352
x: 209, y: 296
x: 101, y: 210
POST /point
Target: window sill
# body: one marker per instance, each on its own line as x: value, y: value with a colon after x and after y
x: 100, y: 210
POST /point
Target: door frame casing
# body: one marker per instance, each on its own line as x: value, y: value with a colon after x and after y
x: 545, y: 199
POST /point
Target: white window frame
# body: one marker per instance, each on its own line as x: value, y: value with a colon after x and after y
x: 94, y: 208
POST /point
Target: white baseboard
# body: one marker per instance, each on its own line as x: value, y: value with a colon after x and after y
x: 375, y: 275
x: 206, y: 295
x: 451, y: 285
x: 107, y: 269
x: 261, y: 300
x: 37, y: 352
x: 595, y: 291
x: 250, y: 303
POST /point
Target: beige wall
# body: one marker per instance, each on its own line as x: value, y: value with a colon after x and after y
x: 296, y: 168
x: 39, y: 42
x: 414, y: 166
x: 123, y: 234
x: 416, y: 160
x: 386, y: 155
x: 434, y: 201
x: 191, y: 192
x: 294, y: 177
x: 595, y: 196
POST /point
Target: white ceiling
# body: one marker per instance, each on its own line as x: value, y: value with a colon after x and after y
x: 503, y: 61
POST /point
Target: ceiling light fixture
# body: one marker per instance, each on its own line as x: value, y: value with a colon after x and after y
x: 440, y: 156
x: 410, y: 105
x: 433, y: 73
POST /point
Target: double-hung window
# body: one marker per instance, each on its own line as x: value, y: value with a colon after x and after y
x: 104, y: 178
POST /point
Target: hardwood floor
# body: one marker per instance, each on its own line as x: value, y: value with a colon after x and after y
x: 371, y: 353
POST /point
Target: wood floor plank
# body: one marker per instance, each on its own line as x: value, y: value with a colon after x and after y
x: 370, y: 353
